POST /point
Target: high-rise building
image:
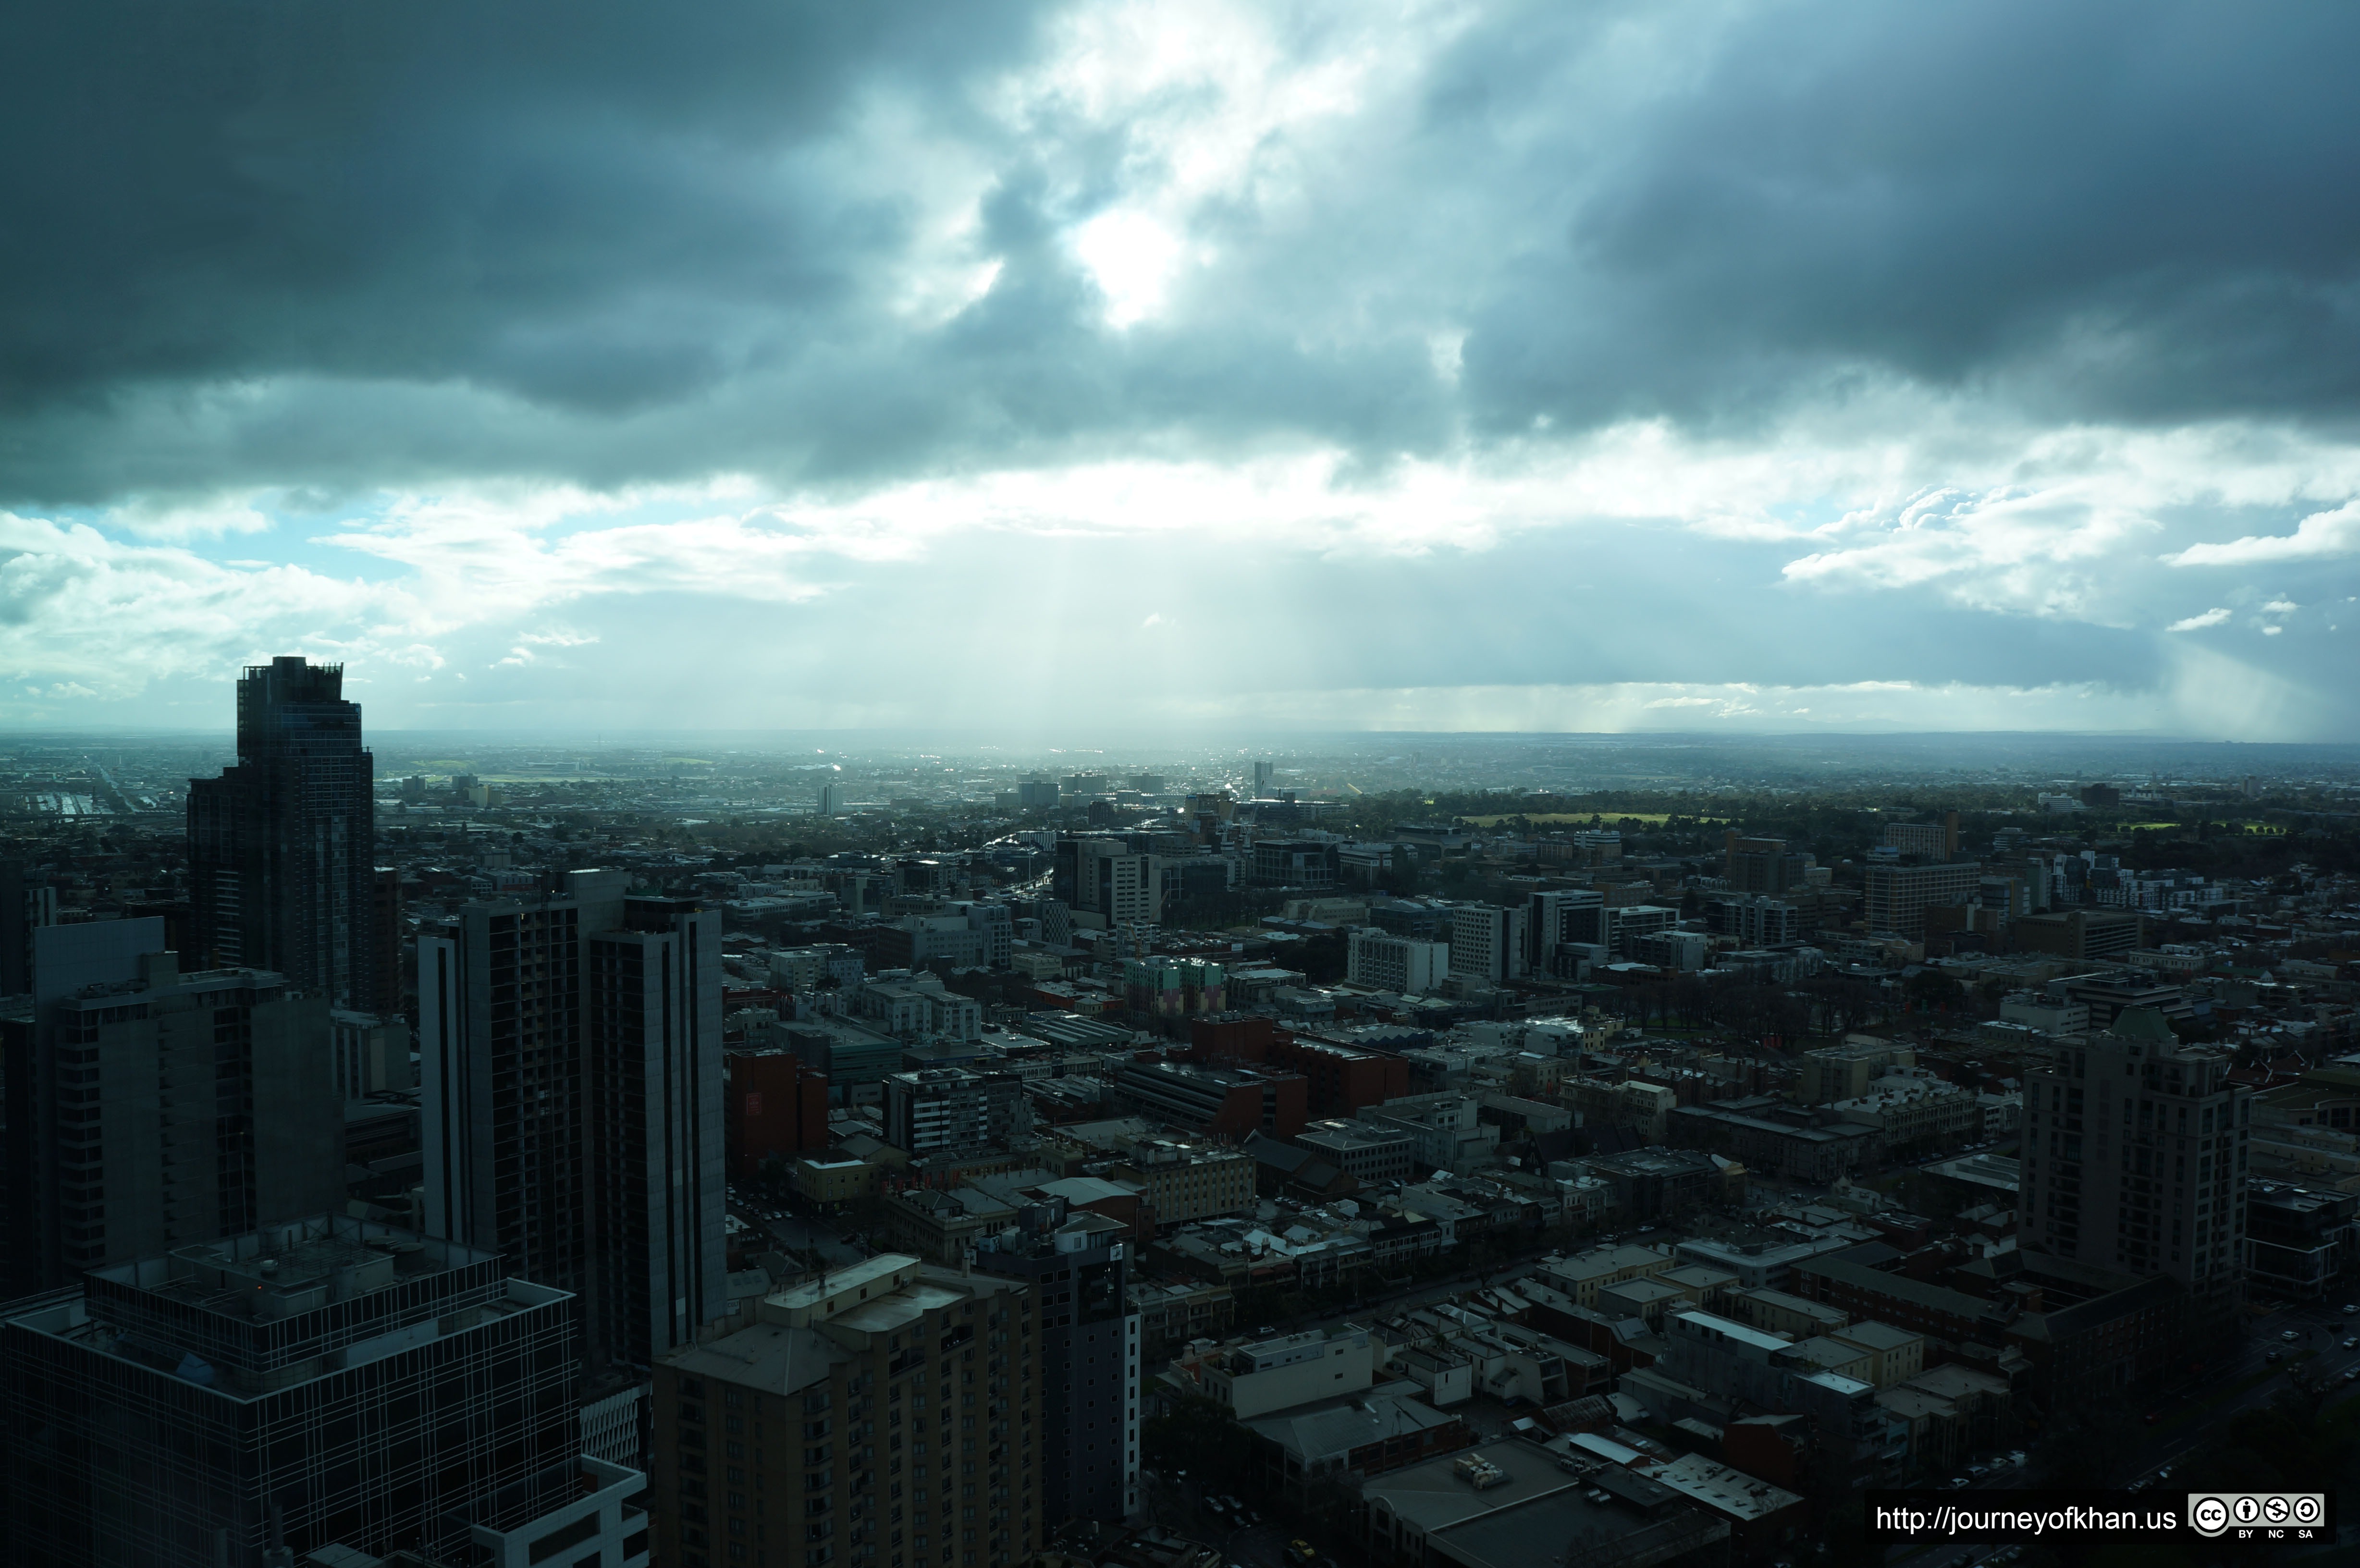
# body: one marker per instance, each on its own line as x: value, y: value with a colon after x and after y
x: 570, y: 1057
x: 1896, y: 897
x: 2134, y: 1158
x: 1934, y: 840
x: 1078, y: 1272
x: 25, y: 905
x: 282, y: 846
x: 654, y: 1126
x: 320, y: 1383
x: 1389, y: 963
x: 831, y: 798
x: 385, y: 886
x: 149, y: 1109
x: 1265, y: 773
x: 887, y: 1413
x: 1487, y: 942
x: 1111, y: 883
x: 1761, y: 865
x: 1550, y: 925
x: 948, y: 1110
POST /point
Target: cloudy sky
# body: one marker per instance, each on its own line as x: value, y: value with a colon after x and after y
x: 1194, y: 364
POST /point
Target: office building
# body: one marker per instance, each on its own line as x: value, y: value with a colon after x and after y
x: 1370, y: 1153
x: 1184, y: 1180
x: 1896, y: 896
x: 571, y: 1064
x: 949, y: 1110
x: 832, y: 799
x: 1078, y: 1272
x: 1761, y: 865
x: 1755, y: 921
x: 1213, y: 1099
x: 887, y: 1413
x: 148, y: 1109
x: 1113, y: 884
x: 1549, y: 923
x: 1312, y: 865
x: 2080, y: 934
x: 2134, y: 1158
x: 1487, y: 942
x: 1264, y: 773
x: 282, y: 846
x: 2298, y: 1241
x: 1037, y: 794
x: 1930, y: 841
x: 320, y: 1383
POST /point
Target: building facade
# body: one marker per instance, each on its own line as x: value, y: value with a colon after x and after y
x: 149, y: 1109
x: 2135, y: 1159
x: 1384, y: 961
x: 318, y: 1383
x: 571, y: 1064
x: 887, y: 1413
x: 1077, y: 1269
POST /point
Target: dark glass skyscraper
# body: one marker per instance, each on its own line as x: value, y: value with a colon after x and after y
x: 282, y: 846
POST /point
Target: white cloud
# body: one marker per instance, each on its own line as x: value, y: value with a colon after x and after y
x: 2212, y: 618
x: 2316, y: 538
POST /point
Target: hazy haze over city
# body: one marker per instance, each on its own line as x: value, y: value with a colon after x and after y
x: 1697, y: 367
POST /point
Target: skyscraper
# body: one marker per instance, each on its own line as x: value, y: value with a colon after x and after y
x: 282, y: 846
x: 149, y: 1109
x: 570, y: 1055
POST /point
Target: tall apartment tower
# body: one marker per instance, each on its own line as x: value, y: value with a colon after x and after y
x: 2135, y: 1157
x: 1090, y: 1356
x: 570, y: 1059
x: 1265, y: 773
x: 282, y: 846
x: 326, y: 1382
x: 151, y: 1109
x: 654, y: 1129
x: 886, y: 1414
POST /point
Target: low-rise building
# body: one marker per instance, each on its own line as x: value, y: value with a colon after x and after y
x: 1372, y: 1153
x: 1511, y: 1503
x: 1254, y: 1377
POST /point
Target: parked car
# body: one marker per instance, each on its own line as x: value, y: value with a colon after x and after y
x: 1215, y: 1507
x: 1979, y: 1471
x: 1299, y: 1552
x: 2352, y: 1309
x: 1959, y: 1481
x: 2290, y: 1336
x: 2275, y: 1355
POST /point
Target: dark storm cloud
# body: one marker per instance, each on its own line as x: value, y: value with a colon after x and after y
x: 2106, y: 210
x: 360, y: 245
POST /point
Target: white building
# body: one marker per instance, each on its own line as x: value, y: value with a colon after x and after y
x: 1383, y: 962
x: 1487, y: 942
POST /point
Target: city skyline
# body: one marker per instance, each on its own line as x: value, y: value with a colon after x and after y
x: 1479, y: 368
